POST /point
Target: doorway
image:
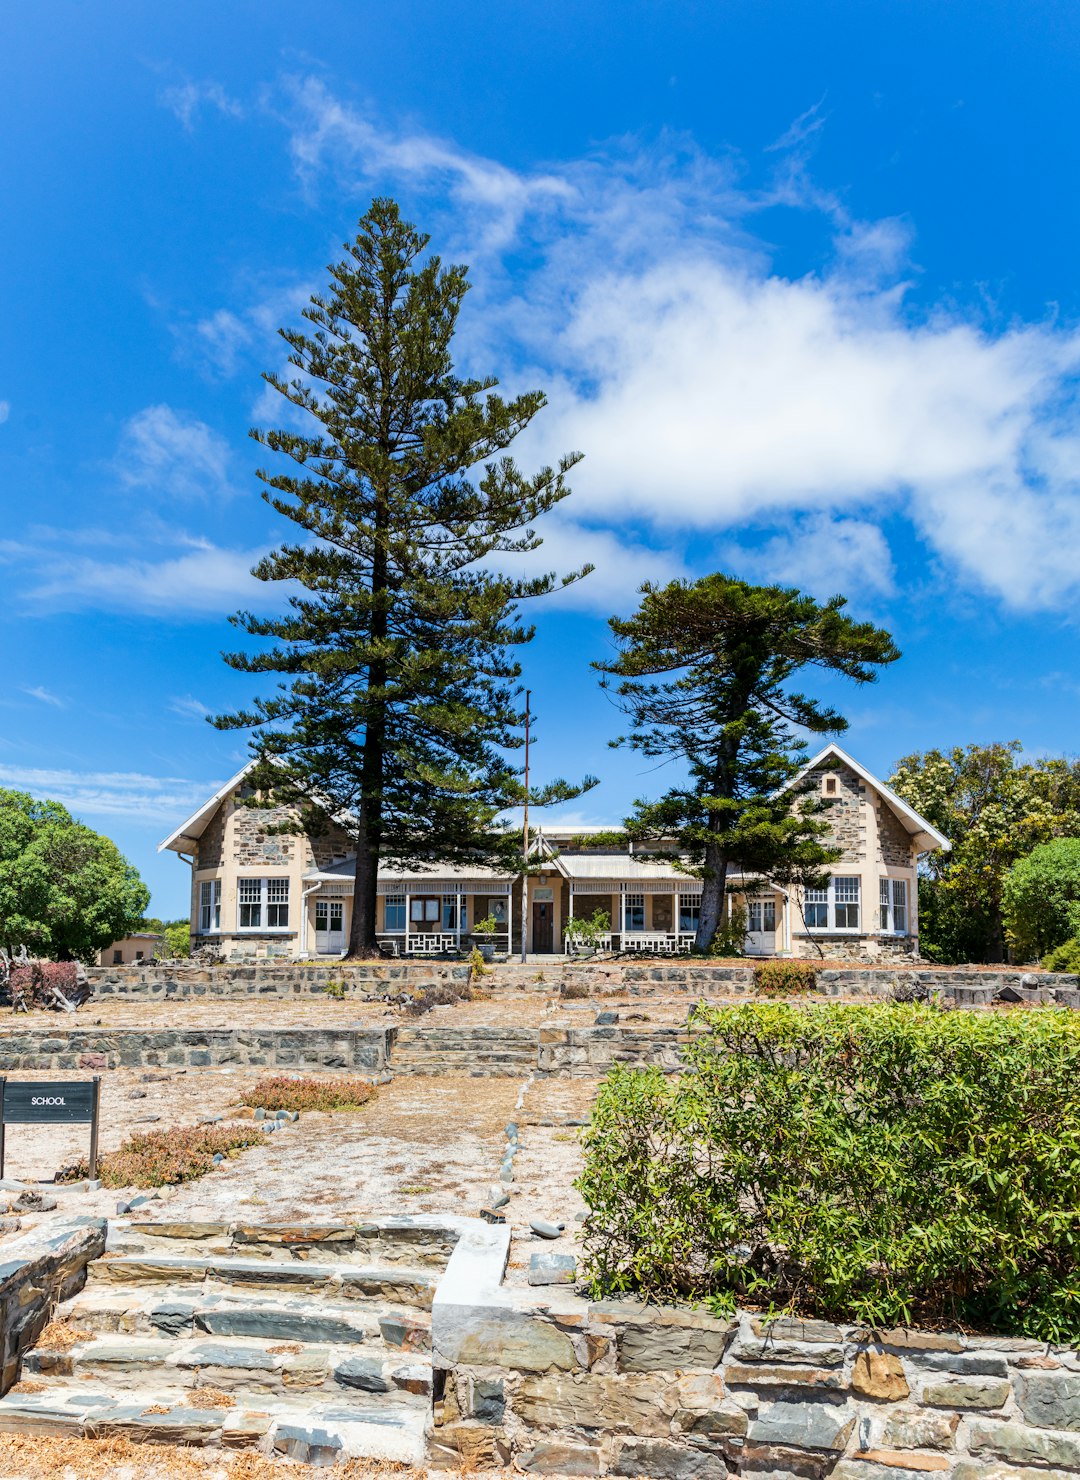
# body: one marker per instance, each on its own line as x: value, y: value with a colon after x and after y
x: 543, y: 927
x: 329, y: 927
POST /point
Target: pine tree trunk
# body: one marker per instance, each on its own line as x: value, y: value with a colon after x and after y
x: 363, y: 940
x: 713, y: 889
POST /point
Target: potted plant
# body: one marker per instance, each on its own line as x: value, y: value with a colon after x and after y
x: 588, y: 933
x: 484, y: 936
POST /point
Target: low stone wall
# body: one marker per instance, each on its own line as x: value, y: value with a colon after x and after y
x: 37, y: 1271
x: 168, y: 980
x: 591, y: 1052
x: 101, y: 1048
x: 563, y: 1386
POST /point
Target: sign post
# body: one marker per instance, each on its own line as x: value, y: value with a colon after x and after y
x: 66, y: 1102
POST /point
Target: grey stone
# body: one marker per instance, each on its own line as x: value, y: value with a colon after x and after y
x: 272, y: 1323
x: 217, y: 1158
x: 1015, y: 1441
x: 260, y: 1114
x: 559, y: 1457
x: 498, y: 1196
x: 172, y: 1317
x: 312, y: 1446
x: 606, y: 1019
x: 552, y: 1269
x: 281, y: 1115
x: 664, y: 1348
x: 364, y: 1373
x: 967, y: 1364
x: 1050, y: 1400
x: 812, y: 1424
x: 914, y: 1428
x: 658, y: 1459
x: 967, y: 1392
x: 544, y: 1229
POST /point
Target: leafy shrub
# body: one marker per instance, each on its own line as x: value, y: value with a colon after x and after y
x: 1040, y: 898
x: 888, y: 1164
x: 477, y: 965
x: 160, y: 1158
x: 177, y: 940
x: 1065, y: 957
x: 279, y: 1092
x: 31, y: 983
x: 784, y: 978
x: 730, y: 937
x: 445, y: 994
x: 589, y: 932
x: 335, y: 989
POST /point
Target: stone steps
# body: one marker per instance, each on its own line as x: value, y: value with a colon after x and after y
x: 475, y: 1051
x: 291, y: 1346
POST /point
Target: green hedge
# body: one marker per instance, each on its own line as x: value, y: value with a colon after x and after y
x: 884, y: 1164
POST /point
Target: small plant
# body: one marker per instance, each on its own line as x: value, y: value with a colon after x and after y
x: 784, y: 978
x: 574, y: 991
x: 589, y: 932
x: 1065, y: 957
x: 335, y: 989
x: 162, y: 1158
x: 443, y: 995
x: 279, y: 1092
x: 730, y: 937
x: 487, y: 926
x: 477, y: 965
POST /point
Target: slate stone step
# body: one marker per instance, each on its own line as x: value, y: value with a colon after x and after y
x: 235, y: 1366
x: 183, y: 1313
x: 403, y: 1286
x: 322, y: 1430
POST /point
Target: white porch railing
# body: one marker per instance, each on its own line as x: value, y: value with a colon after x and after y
x: 658, y: 943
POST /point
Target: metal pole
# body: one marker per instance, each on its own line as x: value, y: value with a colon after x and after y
x: 3, y: 1087
x: 94, y: 1128
x: 525, y: 842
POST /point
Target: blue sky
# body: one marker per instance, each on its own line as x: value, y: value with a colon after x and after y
x: 799, y: 279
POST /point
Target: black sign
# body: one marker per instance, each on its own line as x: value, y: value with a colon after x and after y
x: 48, y: 1104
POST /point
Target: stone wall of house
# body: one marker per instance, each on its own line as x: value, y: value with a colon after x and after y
x: 894, y: 843
x: 254, y: 844
x: 210, y: 850
x: 846, y: 818
x: 43, y: 1267
x: 557, y: 1385
x: 330, y: 846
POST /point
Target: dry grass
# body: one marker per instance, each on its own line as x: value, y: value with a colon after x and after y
x: 162, y: 1158
x: 209, y: 1397
x: 60, y: 1336
x: 28, y: 1385
x: 34, y: 1457
x: 291, y: 1347
x: 280, y: 1092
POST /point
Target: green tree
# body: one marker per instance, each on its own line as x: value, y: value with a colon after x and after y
x: 177, y: 939
x: 399, y: 700
x: 1040, y: 898
x: 994, y: 807
x: 704, y: 670
x: 65, y: 891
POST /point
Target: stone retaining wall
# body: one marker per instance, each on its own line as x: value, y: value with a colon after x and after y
x: 37, y: 1270
x: 101, y: 1048
x: 168, y: 980
x: 558, y: 1385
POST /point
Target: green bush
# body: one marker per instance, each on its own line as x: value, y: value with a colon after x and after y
x: 784, y: 978
x: 888, y: 1164
x: 1065, y: 957
x: 1040, y: 898
x: 730, y: 937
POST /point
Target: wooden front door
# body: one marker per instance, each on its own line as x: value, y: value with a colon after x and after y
x: 543, y: 927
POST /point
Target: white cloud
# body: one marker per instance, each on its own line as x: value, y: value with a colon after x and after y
x: 205, y: 580
x: 129, y: 795
x: 622, y: 565
x: 45, y: 697
x: 189, y: 707
x: 187, y: 100
x: 820, y: 554
x: 173, y: 454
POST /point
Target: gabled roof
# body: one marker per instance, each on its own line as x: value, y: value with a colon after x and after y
x: 925, y: 835
x: 195, y: 826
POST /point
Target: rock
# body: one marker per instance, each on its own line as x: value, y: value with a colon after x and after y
x: 211, y: 1120
x: 888, y: 1464
x: 147, y: 1119
x: 136, y: 1094
x: 217, y: 1158
x: 1015, y: 1441
x: 281, y: 1115
x: 144, y: 1198
x: 498, y: 1196
x: 364, y: 1373
x: 640, y: 1404
x: 172, y: 1317
x: 606, y: 1019
x: 543, y: 1229
x: 657, y: 1459
x: 580, y: 1217
x: 122, y: 1208
x: 34, y: 1202
x: 489, y: 1215
x: 1050, y: 1400
x: 260, y: 1113
x: 804, y: 1425
x: 404, y: 1332
x: 663, y: 1348
x: 506, y: 1174
x: 482, y: 1335
x: 968, y: 1392
x: 559, y: 1457
x: 9, y: 1225
x: 879, y: 1375
x: 914, y: 1428
x: 552, y: 1269
x: 311, y: 1446
x: 512, y: 1130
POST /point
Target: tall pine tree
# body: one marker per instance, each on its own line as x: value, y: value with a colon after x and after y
x: 398, y: 700
x: 704, y: 669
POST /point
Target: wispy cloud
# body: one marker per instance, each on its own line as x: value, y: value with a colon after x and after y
x: 172, y: 454
x: 5, y: 411
x: 188, y: 707
x: 45, y: 697
x: 129, y: 795
x: 188, y: 99
x: 822, y: 554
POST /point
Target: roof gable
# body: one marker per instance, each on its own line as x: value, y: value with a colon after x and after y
x: 193, y: 828
x: 925, y: 835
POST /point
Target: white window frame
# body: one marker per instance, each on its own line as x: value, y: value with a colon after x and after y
x: 840, y: 895
x: 396, y: 903
x: 689, y: 910
x: 758, y: 913
x: 210, y: 907
x: 262, y: 896
x: 633, y: 902
x: 893, y: 906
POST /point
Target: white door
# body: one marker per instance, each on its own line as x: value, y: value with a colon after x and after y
x: 329, y: 927
x: 761, y: 927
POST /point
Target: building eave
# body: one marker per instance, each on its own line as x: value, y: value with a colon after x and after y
x: 925, y: 834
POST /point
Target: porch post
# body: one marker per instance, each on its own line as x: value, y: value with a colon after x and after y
x: 457, y: 916
x: 675, y: 917
x: 408, y: 914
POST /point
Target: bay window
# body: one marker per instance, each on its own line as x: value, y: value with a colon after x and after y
x: 209, y: 906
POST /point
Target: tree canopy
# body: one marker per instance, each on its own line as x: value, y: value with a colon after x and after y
x: 994, y: 807
x: 1040, y: 898
x: 398, y: 703
x: 65, y: 891
x: 705, y: 671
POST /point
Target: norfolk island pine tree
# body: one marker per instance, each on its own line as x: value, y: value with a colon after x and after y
x: 399, y: 701
x: 703, y: 672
